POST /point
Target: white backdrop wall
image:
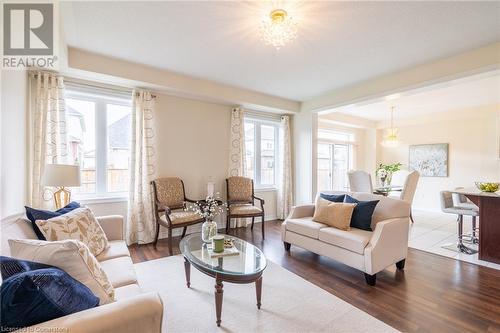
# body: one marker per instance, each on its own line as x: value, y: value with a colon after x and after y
x: 13, y: 161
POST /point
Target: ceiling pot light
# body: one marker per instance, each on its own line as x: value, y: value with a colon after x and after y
x: 278, y: 28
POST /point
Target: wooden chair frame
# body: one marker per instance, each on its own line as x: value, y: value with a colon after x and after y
x: 159, y: 208
x: 253, y: 215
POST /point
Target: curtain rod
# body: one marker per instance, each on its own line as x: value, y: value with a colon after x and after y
x: 92, y: 84
x: 86, y: 84
x: 97, y: 85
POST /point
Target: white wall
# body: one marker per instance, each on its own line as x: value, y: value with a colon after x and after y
x: 13, y: 161
x: 472, y: 135
x: 304, y: 134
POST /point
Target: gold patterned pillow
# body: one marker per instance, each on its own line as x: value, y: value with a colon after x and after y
x: 79, y: 224
x: 71, y: 256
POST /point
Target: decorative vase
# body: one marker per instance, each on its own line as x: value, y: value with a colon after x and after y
x: 382, y: 181
x: 208, y: 230
x: 389, y: 179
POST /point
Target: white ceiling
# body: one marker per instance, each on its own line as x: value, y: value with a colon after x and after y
x: 339, y: 43
x: 465, y: 93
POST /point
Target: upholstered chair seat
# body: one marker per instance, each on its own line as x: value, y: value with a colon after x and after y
x: 181, y: 217
x: 170, y: 204
x: 245, y: 209
x: 241, y: 201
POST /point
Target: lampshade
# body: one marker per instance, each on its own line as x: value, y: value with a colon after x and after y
x: 61, y: 175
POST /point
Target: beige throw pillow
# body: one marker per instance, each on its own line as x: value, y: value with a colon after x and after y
x: 71, y: 256
x: 320, y: 211
x: 79, y: 224
x: 339, y: 215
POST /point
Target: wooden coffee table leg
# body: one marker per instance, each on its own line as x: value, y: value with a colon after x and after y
x: 218, y: 298
x: 258, y: 290
x: 187, y: 270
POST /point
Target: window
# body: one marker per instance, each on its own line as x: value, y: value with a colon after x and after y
x: 99, y: 141
x: 329, y: 135
x: 334, y: 160
x: 261, y: 140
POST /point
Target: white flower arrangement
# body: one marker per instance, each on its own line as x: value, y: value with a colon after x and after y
x: 209, y: 208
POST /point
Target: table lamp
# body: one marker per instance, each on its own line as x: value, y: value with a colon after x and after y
x: 61, y: 176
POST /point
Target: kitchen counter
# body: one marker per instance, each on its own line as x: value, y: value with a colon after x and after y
x: 489, y: 222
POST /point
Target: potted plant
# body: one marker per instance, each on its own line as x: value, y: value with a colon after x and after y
x: 208, y: 209
x: 385, y: 171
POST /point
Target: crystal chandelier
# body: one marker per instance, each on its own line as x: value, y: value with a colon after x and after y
x: 278, y: 29
x: 391, y: 139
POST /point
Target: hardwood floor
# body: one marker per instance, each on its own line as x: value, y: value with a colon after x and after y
x: 432, y: 294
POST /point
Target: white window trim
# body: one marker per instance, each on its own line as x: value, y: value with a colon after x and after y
x: 257, y: 141
x: 100, y: 100
x: 102, y: 199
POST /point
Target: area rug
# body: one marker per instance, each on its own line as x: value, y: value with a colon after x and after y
x: 289, y: 303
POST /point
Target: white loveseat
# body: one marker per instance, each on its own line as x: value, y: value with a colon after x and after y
x: 368, y: 251
x: 134, y: 311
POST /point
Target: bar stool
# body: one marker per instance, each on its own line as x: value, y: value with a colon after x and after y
x: 447, y: 206
x: 461, y: 201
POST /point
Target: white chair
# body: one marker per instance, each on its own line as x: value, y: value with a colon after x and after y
x: 399, y: 178
x: 409, y: 186
x: 360, y: 181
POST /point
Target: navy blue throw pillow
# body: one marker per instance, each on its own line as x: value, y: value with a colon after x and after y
x: 36, y: 296
x: 362, y: 214
x: 10, y: 266
x: 333, y: 197
x: 40, y: 214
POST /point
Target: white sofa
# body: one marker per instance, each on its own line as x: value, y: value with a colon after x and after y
x: 134, y: 311
x: 368, y: 251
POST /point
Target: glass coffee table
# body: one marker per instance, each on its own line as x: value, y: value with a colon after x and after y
x: 245, y: 267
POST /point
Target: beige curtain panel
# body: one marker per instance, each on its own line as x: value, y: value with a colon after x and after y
x: 140, y: 227
x: 237, y: 143
x: 237, y: 151
x: 49, y: 134
x: 285, y: 186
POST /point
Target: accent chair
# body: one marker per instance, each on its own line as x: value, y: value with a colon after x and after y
x: 241, y: 201
x: 409, y: 181
x: 169, y: 204
x: 360, y: 181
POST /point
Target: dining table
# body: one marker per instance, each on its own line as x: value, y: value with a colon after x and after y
x: 489, y: 222
x: 385, y: 190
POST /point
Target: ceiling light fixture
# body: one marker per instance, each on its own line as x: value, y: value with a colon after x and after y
x: 391, y: 140
x: 278, y: 28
